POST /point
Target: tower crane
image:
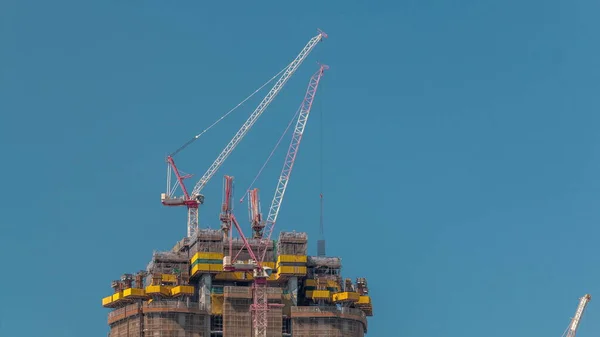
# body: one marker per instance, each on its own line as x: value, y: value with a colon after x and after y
x: 261, y: 273
x: 194, y: 199
x: 572, y: 329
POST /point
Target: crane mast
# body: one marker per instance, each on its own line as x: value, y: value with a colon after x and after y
x: 194, y: 199
x: 290, y: 158
x: 583, y: 302
x: 226, y: 206
x: 255, y: 214
x: 260, y: 305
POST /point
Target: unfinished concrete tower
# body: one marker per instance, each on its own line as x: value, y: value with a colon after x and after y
x: 185, y: 293
x: 158, y: 301
x: 212, y: 284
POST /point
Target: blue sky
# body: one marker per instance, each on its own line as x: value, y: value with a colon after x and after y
x: 461, y: 151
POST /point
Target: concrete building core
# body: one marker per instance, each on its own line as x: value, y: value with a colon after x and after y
x: 186, y: 293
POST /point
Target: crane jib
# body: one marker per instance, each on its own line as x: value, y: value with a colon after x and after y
x: 291, y: 69
x: 288, y: 164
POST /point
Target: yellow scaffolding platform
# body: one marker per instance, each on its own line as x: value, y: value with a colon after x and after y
x: 347, y: 296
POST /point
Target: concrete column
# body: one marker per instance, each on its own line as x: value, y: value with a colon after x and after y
x: 204, y: 287
x: 293, y: 289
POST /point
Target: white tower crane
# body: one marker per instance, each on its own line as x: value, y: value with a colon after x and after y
x: 193, y: 200
x: 572, y: 329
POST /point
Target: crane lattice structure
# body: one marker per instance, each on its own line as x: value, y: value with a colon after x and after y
x: 194, y: 199
x: 290, y: 158
x: 572, y: 329
x: 260, y: 305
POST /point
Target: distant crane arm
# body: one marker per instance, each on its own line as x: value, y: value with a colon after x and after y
x: 583, y: 302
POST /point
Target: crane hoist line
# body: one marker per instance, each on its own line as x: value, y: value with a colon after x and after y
x: 195, y: 198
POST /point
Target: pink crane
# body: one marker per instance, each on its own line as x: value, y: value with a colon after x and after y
x: 261, y: 273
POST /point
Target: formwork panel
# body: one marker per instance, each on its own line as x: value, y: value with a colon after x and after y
x: 326, y: 327
x: 168, y: 263
x: 126, y: 328
x: 238, y: 244
x: 292, y: 243
x: 274, y: 322
x: 327, y: 322
x: 237, y: 319
x: 174, y: 324
x: 207, y: 241
x: 160, y: 319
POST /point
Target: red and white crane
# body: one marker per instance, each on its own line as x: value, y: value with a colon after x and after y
x: 194, y: 199
x: 260, y: 272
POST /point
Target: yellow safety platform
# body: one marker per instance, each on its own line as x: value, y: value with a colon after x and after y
x: 319, y: 294
x: 286, y: 271
x: 216, y: 267
x: 201, y: 267
x: 347, y: 296
x: 364, y: 300
x: 117, y: 296
x: 114, y: 300
x: 291, y: 259
x: 206, y: 262
x: 204, y: 268
x: 364, y: 304
x: 158, y: 290
x: 107, y: 302
x: 310, y: 283
x: 207, y: 256
x: 168, y: 278
x: 134, y: 293
x: 182, y: 290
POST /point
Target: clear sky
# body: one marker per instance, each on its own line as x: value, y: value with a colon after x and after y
x: 461, y: 167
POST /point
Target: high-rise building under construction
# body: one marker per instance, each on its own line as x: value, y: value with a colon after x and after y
x: 186, y: 293
x: 214, y: 284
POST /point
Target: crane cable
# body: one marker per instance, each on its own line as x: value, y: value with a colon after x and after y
x: 272, y: 152
x: 227, y: 114
x: 321, y: 141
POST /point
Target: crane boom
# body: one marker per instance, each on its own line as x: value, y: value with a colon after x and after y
x: 194, y: 199
x: 288, y: 164
x: 257, y: 112
x: 583, y: 302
